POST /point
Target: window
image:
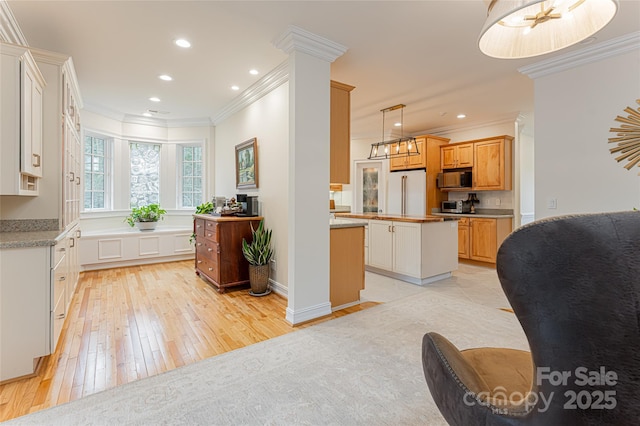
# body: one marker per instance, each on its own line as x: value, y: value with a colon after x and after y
x: 190, y: 176
x: 97, y: 176
x: 145, y: 174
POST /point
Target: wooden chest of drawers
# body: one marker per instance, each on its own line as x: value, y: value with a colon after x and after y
x: 219, y: 257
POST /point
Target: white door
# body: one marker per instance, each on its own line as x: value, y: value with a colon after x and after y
x: 380, y: 244
x: 407, y: 252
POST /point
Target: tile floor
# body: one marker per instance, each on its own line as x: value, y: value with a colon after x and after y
x: 476, y: 284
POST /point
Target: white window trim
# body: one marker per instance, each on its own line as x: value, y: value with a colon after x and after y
x: 108, y: 172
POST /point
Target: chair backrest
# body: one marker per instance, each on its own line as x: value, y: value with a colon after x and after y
x: 574, y: 285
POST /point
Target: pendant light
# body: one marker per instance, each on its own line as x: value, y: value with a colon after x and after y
x: 525, y: 28
x: 394, y: 148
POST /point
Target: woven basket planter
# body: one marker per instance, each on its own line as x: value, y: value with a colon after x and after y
x: 259, y: 278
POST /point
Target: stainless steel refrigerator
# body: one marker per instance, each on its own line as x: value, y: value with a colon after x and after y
x: 407, y: 193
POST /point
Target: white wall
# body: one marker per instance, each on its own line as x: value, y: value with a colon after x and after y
x: 574, y: 110
x: 122, y: 133
x: 267, y: 120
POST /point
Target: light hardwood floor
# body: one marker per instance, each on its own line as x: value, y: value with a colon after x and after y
x: 129, y: 323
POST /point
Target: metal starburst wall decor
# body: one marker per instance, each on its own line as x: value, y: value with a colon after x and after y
x: 628, y: 137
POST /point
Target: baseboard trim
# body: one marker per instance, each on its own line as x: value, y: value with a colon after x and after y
x: 305, y: 314
x: 135, y: 262
x: 276, y: 287
x: 407, y: 278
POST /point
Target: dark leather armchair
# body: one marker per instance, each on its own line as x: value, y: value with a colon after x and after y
x: 574, y: 285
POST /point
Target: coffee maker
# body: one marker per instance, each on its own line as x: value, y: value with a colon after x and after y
x: 249, y: 204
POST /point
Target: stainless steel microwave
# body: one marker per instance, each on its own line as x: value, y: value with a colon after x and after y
x: 455, y: 179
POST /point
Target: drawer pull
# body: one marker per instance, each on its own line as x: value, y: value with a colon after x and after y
x: 209, y: 234
x: 199, y: 244
x: 211, y: 269
x: 209, y: 249
x: 60, y: 316
x: 62, y: 278
x: 199, y: 261
x: 198, y: 226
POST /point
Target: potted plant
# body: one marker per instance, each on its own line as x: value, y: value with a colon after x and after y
x: 258, y: 254
x: 145, y: 217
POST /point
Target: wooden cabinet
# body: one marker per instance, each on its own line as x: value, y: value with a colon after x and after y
x: 346, y: 275
x: 412, y: 161
x: 340, y: 164
x: 463, y: 238
x: 492, y: 171
x: 489, y: 159
x: 22, y: 86
x: 480, y: 238
x: 456, y: 156
x: 219, y: 257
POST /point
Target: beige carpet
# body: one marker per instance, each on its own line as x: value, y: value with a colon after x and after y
x: 361, y: 369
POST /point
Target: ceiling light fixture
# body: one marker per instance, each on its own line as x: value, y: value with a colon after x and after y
x: 183, y: 43
x: 253, y: 72
x: 461, y: 116
x: 165, y: 77
x: 525, y: 28
x: 154, y: 99
x: 400, y: 147
x: 235, y: 88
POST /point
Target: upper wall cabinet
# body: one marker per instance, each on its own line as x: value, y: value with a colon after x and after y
x: 456, y: 156
x: 340, y: 171
x: 492, y: 171
x: 489, y: 160
x: 22, y: 87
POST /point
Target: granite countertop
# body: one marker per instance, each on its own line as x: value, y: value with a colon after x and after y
x: 394, y: 217
x: 338, y: 224
x: 484, y: 215
x: 30, y: 239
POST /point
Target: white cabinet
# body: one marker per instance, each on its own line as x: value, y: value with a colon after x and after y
x: 416, y: 252
x: 381, y: 244
x: 25, y: 308
x: 406, y: 248
x: 395, y: 246
x: 63, y: 134
x: 59, y: 281
x: 22, y: 86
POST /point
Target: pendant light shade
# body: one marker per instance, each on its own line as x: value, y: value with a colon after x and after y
x: 524, y: 28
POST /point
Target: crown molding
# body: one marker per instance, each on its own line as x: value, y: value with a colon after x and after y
x: 299, y: 40
x: 504, y: 119
x: 597, y: 52
x: 271, y: 81
x: 10, y: 31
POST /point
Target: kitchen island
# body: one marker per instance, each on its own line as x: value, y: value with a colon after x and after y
x: 415, y: 249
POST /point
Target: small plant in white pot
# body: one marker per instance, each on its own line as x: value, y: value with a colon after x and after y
x: 258, y: 253
x: 145, y: 217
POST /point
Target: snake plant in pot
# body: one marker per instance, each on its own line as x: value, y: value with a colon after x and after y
x: 258, y: 253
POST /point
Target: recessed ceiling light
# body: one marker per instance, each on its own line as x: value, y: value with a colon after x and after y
x: 183, y: 43
x: 146, y: 114
x: 461, y: 116
x: 397, y: 124
x: 165, y: 77
x: 253, y: 72
x: 154, y: 99
x: 235, y: 88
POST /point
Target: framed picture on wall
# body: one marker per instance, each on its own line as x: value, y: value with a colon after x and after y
x: 247, y: 164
